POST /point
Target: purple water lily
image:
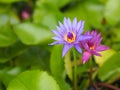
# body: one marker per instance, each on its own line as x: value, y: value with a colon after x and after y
x: 92, y: 46
x: 69, y: 34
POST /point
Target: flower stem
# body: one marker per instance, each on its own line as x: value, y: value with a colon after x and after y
x: 108, y: 86
x: 75, y: 70
x: 91, y: 82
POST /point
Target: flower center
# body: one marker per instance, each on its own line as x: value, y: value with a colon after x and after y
x: 92, y: 47
x: 70, y: 37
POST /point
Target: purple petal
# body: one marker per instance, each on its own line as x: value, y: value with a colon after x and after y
x: 56, y: 33
x: 85, y: 57
x: 57, y: 42
x: 80, y: 27
x: 98, y: 41
x: 102, y: 48
x: 84, y: 37
x: 61, y: 26
x: 65, y: 49
x: 78, y: 48
x: 74, y: 23
x: 86, y: 47
x: 66, y: 25
x: 57, y: 38
x: 60, y: 31
x: 93, y: 33
x: 69, y: 24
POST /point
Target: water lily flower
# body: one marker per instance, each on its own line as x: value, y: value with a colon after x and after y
x: 25, y: 14
x: 92, y: 46
x: 69, y: 34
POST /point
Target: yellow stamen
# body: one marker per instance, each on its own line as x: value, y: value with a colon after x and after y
x: 92, y: 47
x: 70, y: 38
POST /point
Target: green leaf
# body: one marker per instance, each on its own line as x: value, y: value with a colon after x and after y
x: 84, y: 84
x: 33, y: 80
x: 34, y: 57
x: 68, y: 65
x: 116, y: 35
x: 32, y: 34
x: 57, y: 67
x: 10, y: 52
x: 90, y: 12
x: 58, y: 3
x: 9, y: 18
x: 112, y: 11
x: 7, y: 37
x: 4, y: 18
x: 9, y: 1
x: 110, y: 69
x: 105, y: 56
x: 8, y: 73
x: 47, y: 14
x: 57, y: 61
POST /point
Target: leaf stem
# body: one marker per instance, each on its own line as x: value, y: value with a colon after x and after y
x: 75, y: 70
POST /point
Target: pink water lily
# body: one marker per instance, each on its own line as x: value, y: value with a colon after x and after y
x: 92, y: 46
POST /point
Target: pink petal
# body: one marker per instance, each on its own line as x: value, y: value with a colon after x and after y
x: 85, y: 57
x: 95, y: 53
x: 102, y: 48
x: 87, y: 33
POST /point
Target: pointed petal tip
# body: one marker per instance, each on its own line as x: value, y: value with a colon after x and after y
x: 63, y: 55
x: 51, y: 44
x: 102, y: 48
x: 75, y: 19
x: 85, y: 37
x: 55, y: 43
x: 82, y: 21
x: 64, y: 19
x: 66, y: 49
x: 78, y: 48
x: 83, y: 62
x: 86, y: 56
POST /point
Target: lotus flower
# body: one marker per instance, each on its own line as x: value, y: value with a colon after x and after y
x: 92, y: 46
x: 69, y: 34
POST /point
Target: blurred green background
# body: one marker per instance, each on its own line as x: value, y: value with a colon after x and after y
x: 25, y: 32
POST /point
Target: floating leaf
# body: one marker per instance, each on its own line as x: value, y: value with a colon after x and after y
x: 8, y: 73
x: 32, y: 34
x: 110, y: 69
x: 7, y: 37
x: 33, y: 80
x: 105, y: 56
x: 58, y: 3
x: 91, y: 12
x: 112, y: 11
x: 47, y: 14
